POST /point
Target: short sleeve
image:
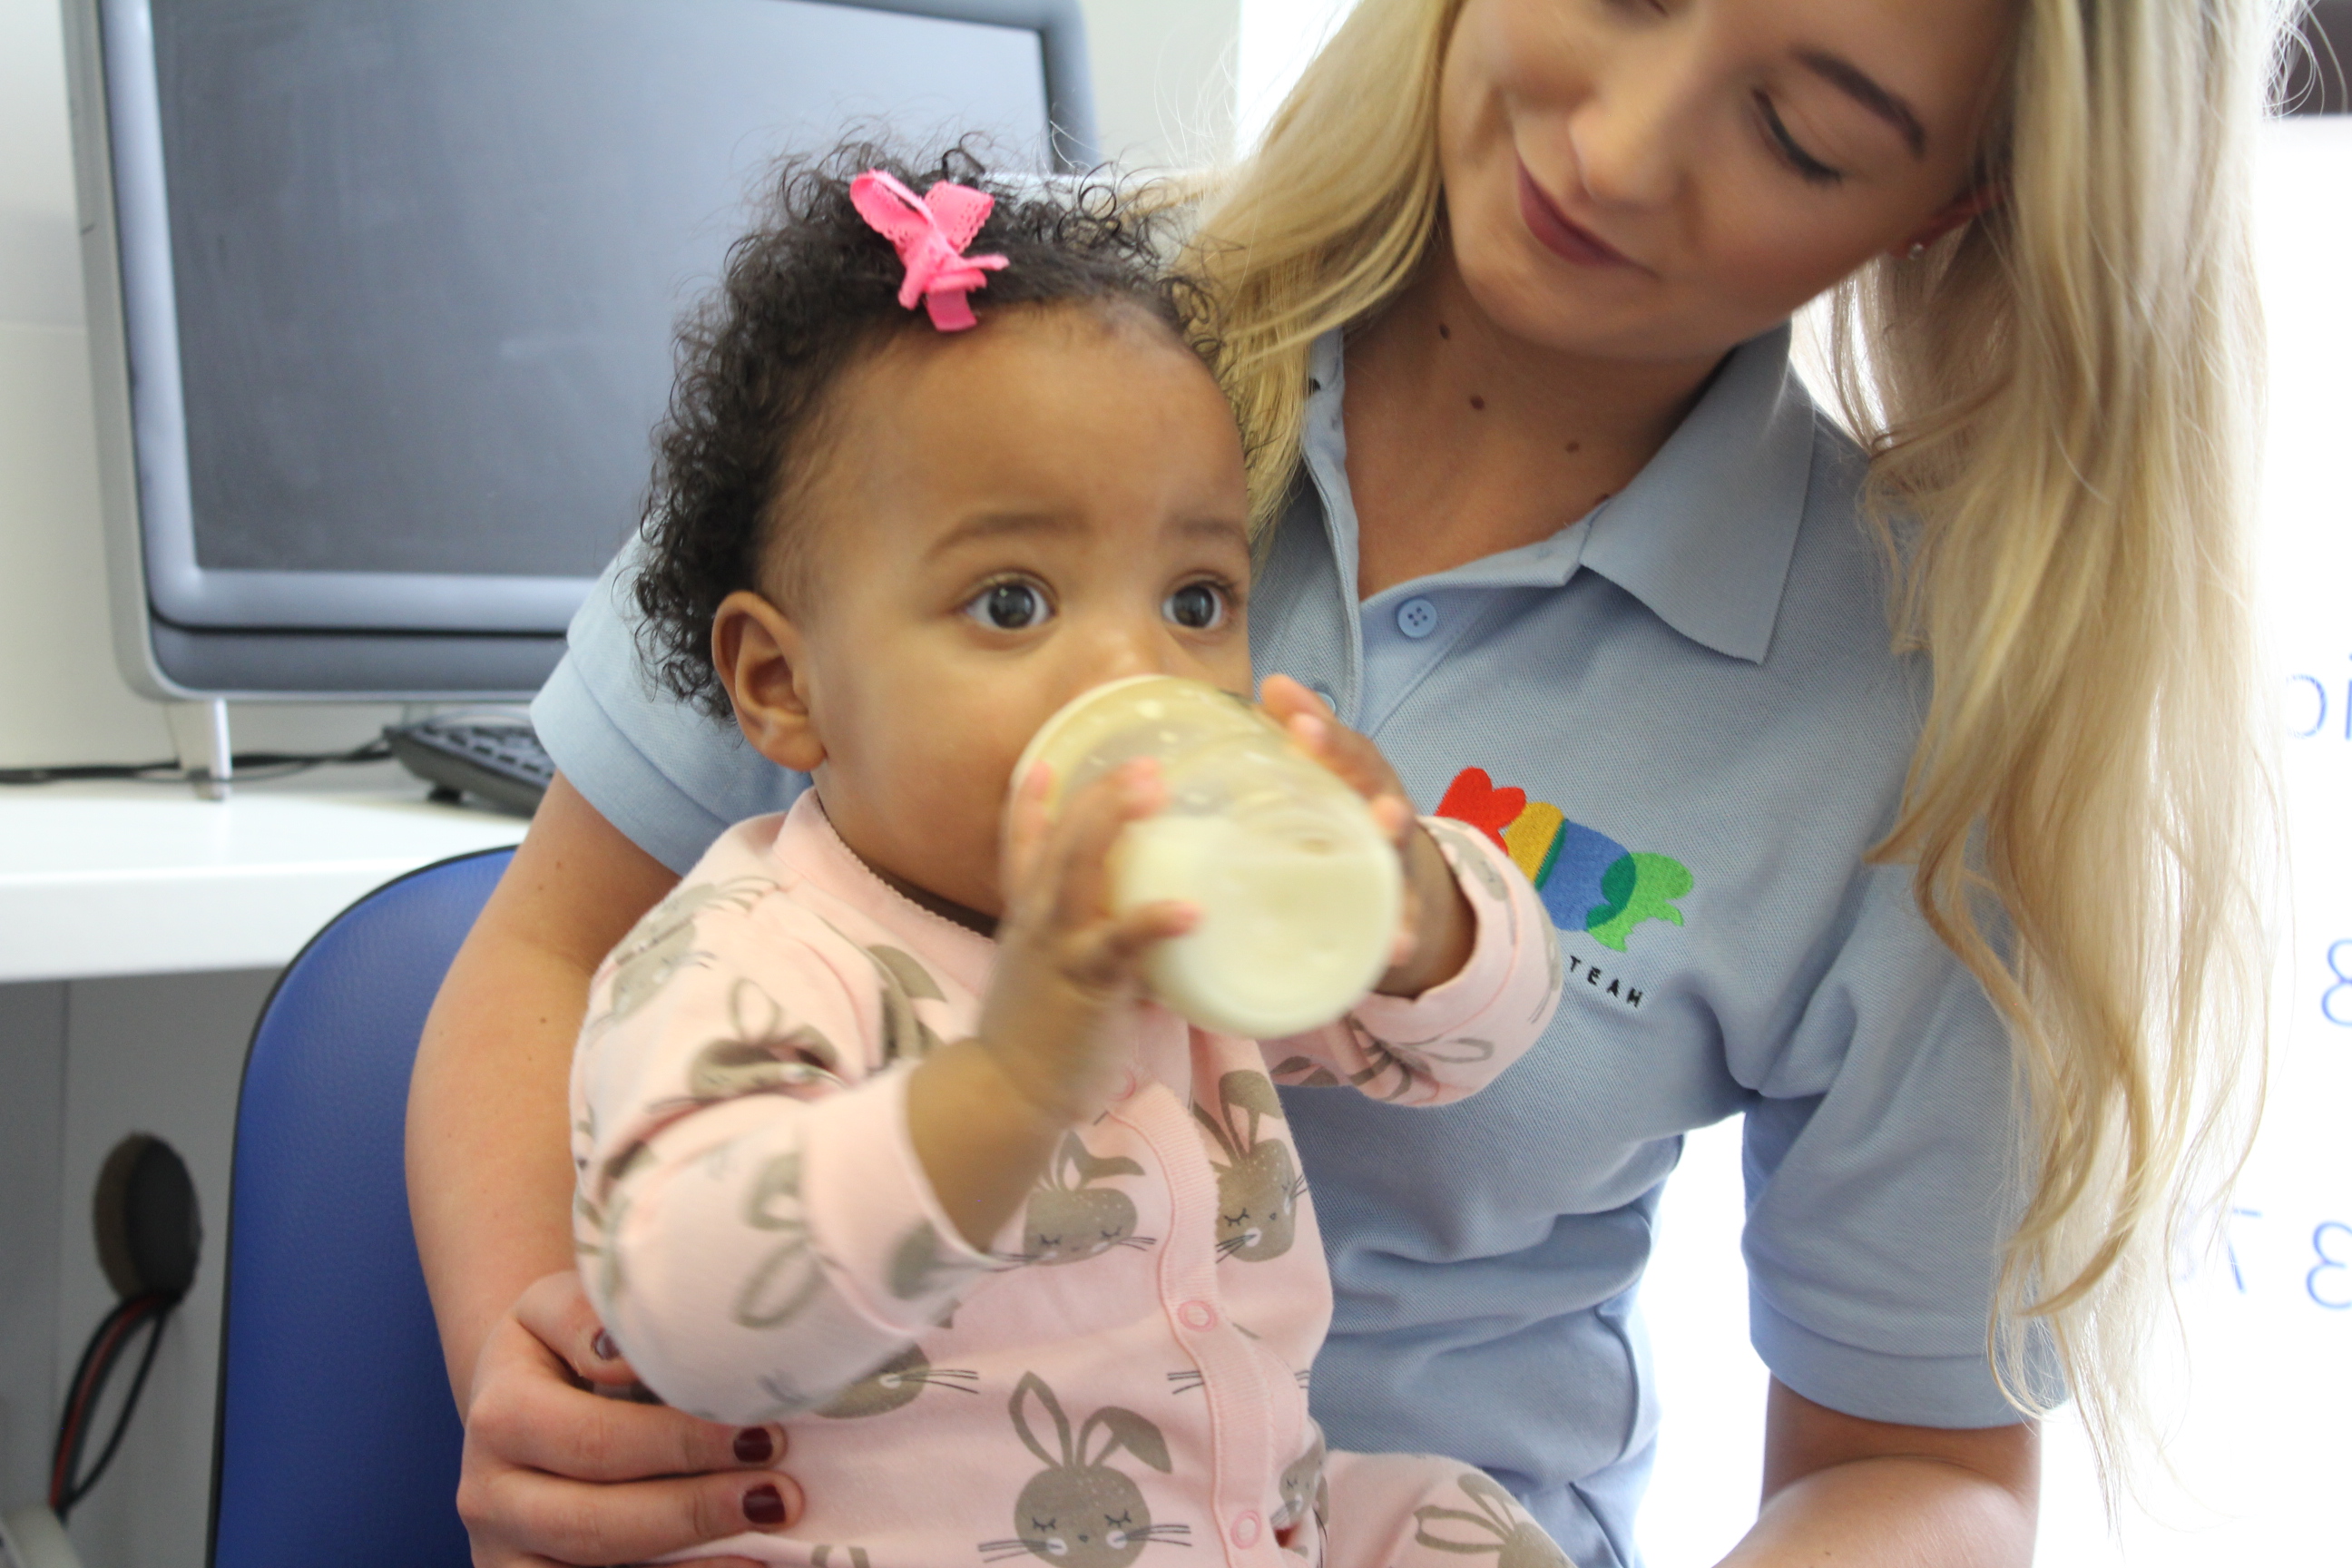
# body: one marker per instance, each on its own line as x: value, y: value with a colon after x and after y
x: 671, y: 778
x: 1878, y: 1166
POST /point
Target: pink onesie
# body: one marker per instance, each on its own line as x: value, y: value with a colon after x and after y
x: 1124, y: 1371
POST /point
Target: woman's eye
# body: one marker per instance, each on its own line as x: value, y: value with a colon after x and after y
x: 1010, y: 607
x: 1196, y: 607
x: 1811, y: 169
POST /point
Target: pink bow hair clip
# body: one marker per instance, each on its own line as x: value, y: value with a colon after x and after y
x: 929, y: 233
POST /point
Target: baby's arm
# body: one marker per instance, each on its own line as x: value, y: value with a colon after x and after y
x: 985, y: 1114
x: 1455, y: 1038
x: 755, y: 1231
x: 766, y: 1208
x: 1477, y: 973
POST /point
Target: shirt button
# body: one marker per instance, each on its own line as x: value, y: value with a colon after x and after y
x: 1245, y: 1530
x: 1416, y: 618
x: 1197, y: 1315
x: 1127, y: 1085
x: 1325, y: 692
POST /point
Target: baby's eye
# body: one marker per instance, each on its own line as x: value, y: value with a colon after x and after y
x: 1010, y: 606
x: 1196, y: 607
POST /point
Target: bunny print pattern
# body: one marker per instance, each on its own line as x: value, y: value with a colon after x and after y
x: 766, y: 1248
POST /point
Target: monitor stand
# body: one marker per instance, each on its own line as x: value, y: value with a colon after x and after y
x: 200, y: 738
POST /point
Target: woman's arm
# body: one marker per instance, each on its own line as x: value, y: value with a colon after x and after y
x: 489, y: 1184
x: 490, y: 1168
x: 1838, y: 1488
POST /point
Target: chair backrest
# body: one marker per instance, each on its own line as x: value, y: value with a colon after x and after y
x: 337, y: 1440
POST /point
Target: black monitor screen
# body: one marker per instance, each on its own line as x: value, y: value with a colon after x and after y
x: 428, y: 255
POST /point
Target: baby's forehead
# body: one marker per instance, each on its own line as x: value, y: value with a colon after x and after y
x: 1086, y: 421
x: 1032, y: 335
x: 1069, y: 392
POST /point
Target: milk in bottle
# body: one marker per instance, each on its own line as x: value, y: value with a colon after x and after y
x: 1299, y: 890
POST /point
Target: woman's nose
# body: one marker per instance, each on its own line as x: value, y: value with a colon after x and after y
x: 1627, y: 134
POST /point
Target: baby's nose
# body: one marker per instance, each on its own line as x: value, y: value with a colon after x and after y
x: 1124, y: 651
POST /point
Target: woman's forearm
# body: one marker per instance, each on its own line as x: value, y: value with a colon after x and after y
x: 489, y: 1184
x: 1879, y: 1513
x: 1868, y: 1494
x: 490, y: 1176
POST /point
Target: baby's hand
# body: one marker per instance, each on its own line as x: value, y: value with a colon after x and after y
x: 1434, y: 938
x: 1066, y: 964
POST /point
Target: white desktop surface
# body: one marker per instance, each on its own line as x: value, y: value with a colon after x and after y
x: 133, y: 879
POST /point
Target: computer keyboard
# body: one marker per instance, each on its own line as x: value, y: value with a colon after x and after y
x: 499, y: 762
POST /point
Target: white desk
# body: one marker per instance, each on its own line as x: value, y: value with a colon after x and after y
x: 140, y: 929
x: 122, y: 878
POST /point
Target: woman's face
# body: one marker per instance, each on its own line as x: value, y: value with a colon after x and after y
x: 1662, y: 179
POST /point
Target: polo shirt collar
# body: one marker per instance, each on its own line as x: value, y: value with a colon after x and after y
x: 1704, y: 534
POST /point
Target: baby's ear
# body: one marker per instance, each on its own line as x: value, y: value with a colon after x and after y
x: 760, y: 655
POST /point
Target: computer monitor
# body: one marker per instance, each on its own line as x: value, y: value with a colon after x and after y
x: 382, y: 293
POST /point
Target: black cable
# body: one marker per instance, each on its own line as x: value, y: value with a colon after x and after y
x: 82, y: 1390
x: 74, y: 1384
x: 159, y: 1315
x: 143, y: 1211
x: 243, y: 766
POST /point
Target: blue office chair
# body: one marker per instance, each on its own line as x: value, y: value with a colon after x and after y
x: 337, y: 1439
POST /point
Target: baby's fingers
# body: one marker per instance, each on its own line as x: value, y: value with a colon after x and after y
x: 1346, y: 753
x: 1078, y: 854
x: 1106, y: 957
x: 1026, y: 823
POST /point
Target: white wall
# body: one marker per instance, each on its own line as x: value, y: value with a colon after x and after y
x: 1164, y: 79
x: 31, y: 1160
x: 1277, y: 39
x: 60, y: 699
x: 1163, y: 86
x: 157, y: 1054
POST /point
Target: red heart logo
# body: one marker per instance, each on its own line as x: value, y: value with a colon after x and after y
x: 1473, y: 798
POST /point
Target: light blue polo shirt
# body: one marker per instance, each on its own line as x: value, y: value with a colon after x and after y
x: 1681, y: 716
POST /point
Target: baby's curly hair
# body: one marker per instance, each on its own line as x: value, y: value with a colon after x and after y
x: 806, y: 293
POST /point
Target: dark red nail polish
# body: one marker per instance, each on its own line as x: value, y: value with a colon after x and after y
x: 754, y: 1447
x: 764, y: 1505
x: 603, y: 1346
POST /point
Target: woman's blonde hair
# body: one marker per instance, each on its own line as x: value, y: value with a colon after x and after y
x: 2059, y: 403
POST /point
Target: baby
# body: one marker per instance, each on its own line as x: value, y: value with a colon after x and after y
x: 876, y: 1134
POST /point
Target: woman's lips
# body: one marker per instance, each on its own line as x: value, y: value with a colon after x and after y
x: 1557, y: 234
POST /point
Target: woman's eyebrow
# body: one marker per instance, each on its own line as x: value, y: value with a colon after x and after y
x: 1850, y: 79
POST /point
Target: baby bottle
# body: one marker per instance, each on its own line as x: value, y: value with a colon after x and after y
x: 1298, y: 889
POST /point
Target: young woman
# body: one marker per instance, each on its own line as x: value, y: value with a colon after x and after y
x: 1953, y: 917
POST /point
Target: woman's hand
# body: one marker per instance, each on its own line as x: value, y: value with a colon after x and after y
x: 556, y: 1472
x: 1438, y: 930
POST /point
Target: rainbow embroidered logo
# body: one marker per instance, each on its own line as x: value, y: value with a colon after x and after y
x: 1590, y: 882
